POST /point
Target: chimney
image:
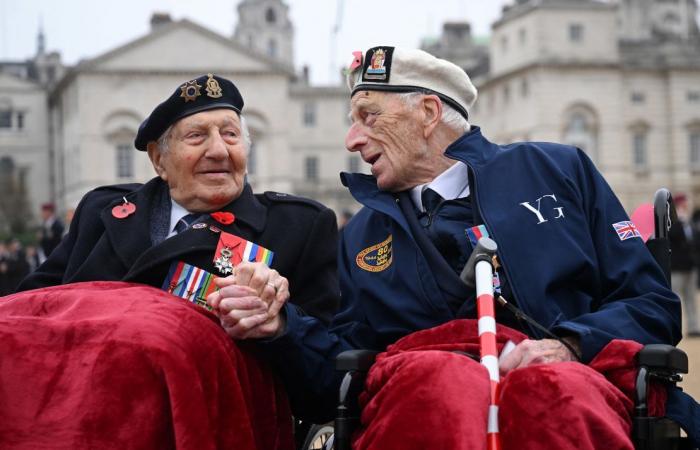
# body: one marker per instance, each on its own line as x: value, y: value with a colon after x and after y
x: 158, y: 19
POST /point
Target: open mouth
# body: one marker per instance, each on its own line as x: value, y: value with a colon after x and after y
x: 372, y: 159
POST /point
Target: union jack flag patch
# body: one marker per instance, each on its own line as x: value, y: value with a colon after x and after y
x: 626, y: 230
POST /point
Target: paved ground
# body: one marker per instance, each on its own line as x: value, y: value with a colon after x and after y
x: 691, y: 381
x: 691, y: 346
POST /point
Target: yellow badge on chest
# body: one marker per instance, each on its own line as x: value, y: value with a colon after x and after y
x: 375, y: 258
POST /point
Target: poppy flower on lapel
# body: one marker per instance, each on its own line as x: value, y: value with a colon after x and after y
x: 225, y: 218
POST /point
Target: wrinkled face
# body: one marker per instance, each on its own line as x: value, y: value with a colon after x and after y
x: 205, y: 163
x: 389, y: 136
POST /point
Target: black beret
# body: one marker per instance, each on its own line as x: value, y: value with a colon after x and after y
x: 201, y: 94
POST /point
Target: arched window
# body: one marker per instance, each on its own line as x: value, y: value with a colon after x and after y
x: 119, y: 129
x: 270, y: 16
x: 581, y: 129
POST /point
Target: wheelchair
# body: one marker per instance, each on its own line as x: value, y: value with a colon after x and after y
x: 658, y: 362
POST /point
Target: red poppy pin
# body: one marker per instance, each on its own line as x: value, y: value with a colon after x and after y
x: 224, y: 218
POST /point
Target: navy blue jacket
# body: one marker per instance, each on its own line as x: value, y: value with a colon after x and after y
x: 552, y: 215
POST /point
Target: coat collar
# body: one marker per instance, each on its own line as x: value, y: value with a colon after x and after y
x: 364, y: 189
x: 131, y: 236
x: 472, y: 148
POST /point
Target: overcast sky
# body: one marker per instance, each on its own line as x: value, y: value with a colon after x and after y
x: 87, y: 28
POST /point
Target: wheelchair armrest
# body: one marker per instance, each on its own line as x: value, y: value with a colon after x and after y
x: 355, y: 360
x: 663, y: 358
x: 661, y: 362
x: 355, y: 364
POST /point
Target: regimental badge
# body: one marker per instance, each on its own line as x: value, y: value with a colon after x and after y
x: 189, y: 282
x: 375, y: 258
x: 190, y: 91
x: 377, y: 66
x: 213, y: 89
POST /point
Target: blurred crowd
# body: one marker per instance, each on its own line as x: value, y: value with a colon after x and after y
x: 685, y: 261
x: 18, y: 260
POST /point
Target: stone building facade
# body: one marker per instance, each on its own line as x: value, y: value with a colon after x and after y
x: 619, y: 79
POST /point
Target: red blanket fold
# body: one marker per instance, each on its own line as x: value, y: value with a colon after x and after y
x: 121, y: 365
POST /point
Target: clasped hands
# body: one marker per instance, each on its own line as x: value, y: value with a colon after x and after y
x: 249, y: 301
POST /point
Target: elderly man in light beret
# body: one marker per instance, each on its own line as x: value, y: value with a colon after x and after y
x: 195, y: 227
x: 573, y: 283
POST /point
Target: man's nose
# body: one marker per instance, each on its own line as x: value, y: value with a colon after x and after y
x: 217, y: 147
x: 355, y: 138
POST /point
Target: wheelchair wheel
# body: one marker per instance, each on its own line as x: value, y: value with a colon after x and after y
x: 318, y: 437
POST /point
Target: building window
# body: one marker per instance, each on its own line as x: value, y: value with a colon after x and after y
x: 522, y: 36
x: 506, y: 93
x: 272, y: 48
x: 639, y: 149
x: 504, y: 43
x: 270, y: 16
x: 125, y: 161
x: 20, y: 120
x: 309, y: 114
x: 311, y: 168
x: 693, y: 96
x: 576, y: 32
x: 353, y: 164
x: 6, y: 118
x: 580, y: 130
x: 637, y: 97
x: 694, y: 147
x: 524, y: 87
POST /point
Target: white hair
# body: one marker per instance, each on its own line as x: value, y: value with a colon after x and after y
x: 164, y: 139
x: 450, y: 117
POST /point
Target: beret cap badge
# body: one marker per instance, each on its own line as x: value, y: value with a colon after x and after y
x: 213, y: 89
x: 204, y: 93
x: 190, y: 91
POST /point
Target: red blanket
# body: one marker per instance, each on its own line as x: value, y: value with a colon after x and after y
x: 120, y: 365
x: 417, y: 397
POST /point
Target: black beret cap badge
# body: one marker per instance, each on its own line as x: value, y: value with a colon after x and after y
x: 213, y: 89
x: 190, y: 91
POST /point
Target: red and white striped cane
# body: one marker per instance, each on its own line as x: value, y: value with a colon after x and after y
x: 479, y: 271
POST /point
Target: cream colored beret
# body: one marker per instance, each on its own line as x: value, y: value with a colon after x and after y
x: 397, y: 69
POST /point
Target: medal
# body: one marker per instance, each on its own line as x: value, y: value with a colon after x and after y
x: 232, y: 249
x: 223, y: 262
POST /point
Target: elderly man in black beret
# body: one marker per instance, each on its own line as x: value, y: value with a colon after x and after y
x: 198, y: 144
x: 198, y: 226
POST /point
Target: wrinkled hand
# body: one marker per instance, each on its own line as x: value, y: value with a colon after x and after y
x: 529, y: 352
x: 248, y: 302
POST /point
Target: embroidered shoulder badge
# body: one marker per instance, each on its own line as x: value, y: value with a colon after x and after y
x: 375, y: 258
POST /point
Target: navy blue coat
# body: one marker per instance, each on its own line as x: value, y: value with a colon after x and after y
x: 552, y: 215
x: 99, y: 246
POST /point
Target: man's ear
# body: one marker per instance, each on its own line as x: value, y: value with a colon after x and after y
x: 156, y: 157
x: 432, y: 109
